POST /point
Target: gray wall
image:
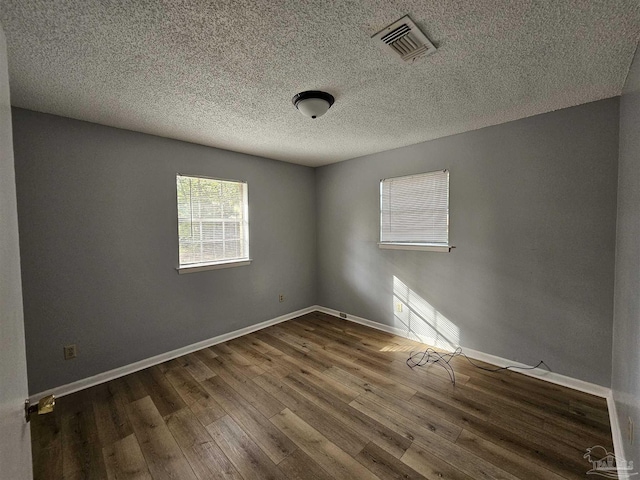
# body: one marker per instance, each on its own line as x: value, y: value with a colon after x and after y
x: 15, y: 441
x: 625, y: 380
x: 98, y: 234
x: 533, y: 213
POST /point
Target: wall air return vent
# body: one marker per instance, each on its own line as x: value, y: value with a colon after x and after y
x: 405, y: 39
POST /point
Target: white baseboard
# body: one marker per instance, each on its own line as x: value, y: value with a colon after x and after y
x: 149, y: 362
x: 616, y: 433
x: 541, y: 373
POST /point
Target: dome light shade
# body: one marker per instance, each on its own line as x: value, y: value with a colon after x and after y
x: 313, y: 103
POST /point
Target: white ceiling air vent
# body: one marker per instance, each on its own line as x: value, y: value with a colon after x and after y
x: 404, y: 38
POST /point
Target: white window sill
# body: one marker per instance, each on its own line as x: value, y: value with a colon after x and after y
x: 425, y: 247
x: 201, y: 267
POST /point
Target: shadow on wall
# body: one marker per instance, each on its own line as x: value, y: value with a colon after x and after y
x: 420, y: 320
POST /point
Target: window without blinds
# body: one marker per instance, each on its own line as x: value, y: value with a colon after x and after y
x: 213, y: 222
x: 414, y: 210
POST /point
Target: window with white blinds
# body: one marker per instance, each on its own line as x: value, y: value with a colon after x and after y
x: 213, y: 221
x: 414, y: 210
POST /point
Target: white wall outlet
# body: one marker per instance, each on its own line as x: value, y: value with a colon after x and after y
x: 281, y: 298
x: 70, y: 352
x: 398, y: 307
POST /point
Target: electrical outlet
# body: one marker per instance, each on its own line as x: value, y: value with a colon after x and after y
x: 70, y: 352
x: 399, y: 307
x: 281, y: 298
x: 630, y: 431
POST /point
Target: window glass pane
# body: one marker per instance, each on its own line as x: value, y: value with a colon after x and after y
x: 212, y: 222
x: 232, y: 230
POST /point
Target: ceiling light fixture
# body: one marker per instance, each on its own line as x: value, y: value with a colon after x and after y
x: 313, y: 103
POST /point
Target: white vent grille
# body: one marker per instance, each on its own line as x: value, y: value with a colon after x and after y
x: 405, y: 39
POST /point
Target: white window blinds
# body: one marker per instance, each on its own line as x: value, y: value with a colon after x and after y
x: 415, y: 209
x: 213, y: 223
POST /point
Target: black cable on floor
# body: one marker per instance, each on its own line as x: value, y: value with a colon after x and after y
x: 429, y: 355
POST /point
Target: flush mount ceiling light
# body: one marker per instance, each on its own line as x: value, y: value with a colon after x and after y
x: 313, y: 103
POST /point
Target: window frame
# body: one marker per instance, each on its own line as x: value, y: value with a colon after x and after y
x: 407, y: 245
x: 245, y: 238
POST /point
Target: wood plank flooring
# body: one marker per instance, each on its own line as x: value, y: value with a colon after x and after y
x: 318, y: 398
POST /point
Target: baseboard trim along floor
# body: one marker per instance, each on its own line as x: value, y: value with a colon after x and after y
x: 164, y: 357
x: 616, y: 435
x: 542, y: 374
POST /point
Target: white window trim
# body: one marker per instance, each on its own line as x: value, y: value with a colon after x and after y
x: 425, y: 247
x: 217, y: 265
x: 202, y: 267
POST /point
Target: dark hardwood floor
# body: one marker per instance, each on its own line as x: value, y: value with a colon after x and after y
x: 318, y: 398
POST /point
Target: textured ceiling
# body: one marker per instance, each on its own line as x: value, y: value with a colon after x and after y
x: 223, y: 73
